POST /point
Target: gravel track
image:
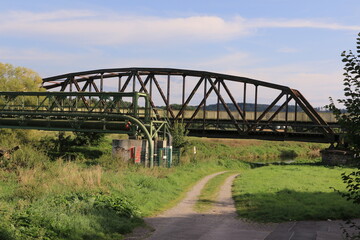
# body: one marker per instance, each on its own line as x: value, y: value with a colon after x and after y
x: 220, y: 223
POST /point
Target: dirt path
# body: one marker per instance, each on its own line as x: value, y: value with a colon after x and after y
x: 182, y: 222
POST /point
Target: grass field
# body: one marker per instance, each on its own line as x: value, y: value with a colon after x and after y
x: 289, y: 193
x: 255, y: 150
x: 83, y: 193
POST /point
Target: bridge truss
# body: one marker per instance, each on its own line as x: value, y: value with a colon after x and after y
x: 85, y: 112
x: 184, y: 87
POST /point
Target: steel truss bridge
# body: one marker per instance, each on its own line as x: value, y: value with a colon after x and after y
x: 146, y: 101
x: 167, y: 86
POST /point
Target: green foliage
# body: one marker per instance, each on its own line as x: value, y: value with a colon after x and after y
x: 19, y: 79
x: 74, y: 216
x: 178, y: 133
x: 88, y: 138
x: 352, y: 181
x: 78, y: 146
x: 350, y: 121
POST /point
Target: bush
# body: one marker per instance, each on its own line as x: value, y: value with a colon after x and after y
x: 178, y: 133
x: 88, y: 138
x: 73, y: 216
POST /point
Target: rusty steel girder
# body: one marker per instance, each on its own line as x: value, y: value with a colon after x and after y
x: 241, y: 122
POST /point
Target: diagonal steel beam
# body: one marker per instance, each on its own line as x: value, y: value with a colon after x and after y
x: 79, y: 89
x: 143, y: 88
x: 143, y: 83
x: 126, y: 82
x: 189, y: 98
x: 235, y: 103
x: 201, y: 103
x: 278, y: 110
x: 313, y: 115
x: 163, y: 97
x: 213, y: 85
x: 276, y: 100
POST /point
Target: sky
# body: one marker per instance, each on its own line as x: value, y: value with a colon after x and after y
x: 288, y: 42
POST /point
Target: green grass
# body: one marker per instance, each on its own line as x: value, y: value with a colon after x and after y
x: 93, y: 196
x: 57, y: 200
x: 210, y: 192
x: 292, y: 193
x: 254, y: 150
x: 156, y: 193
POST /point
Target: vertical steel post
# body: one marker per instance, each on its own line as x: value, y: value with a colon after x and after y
x: 102, y: 82
x: 70, y: 80
x: 135, y: 104
x: 218, y: 105
x: 147, y: 108
x: 70, y: 98
x: 256, y: 98
x: 183, y: 95
x: 286, y: 113
x: 120, y: 98
x: 134, y: 81
x: 204, y: 107
x: 151, y: 89
x: 168, y: 95
x: 90, y: 89
x: 244, y: 101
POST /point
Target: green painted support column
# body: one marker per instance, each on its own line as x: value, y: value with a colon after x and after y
x: 148, y: 137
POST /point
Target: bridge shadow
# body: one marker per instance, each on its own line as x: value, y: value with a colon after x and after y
x: 289, y: 205
x: 288, y: 155
x: 83, y: 154
x: 227, y: 226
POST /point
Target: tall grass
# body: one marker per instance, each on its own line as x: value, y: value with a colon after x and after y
x: 93, y: 196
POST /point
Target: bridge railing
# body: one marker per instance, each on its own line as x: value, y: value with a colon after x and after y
x: 76, y: 102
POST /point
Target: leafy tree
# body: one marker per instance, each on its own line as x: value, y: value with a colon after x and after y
x: 178, y: 133
x: 19, y: 79
x: 350, y: 121
x: 88, y: 138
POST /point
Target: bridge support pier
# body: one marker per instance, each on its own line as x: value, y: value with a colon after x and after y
x: 335, y: 157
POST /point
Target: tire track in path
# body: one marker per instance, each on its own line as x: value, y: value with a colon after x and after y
x: 182, y: 222
x: 220, y: 223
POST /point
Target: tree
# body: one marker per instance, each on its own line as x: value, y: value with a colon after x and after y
x: 19, y: 79
x: 178, y: 133
x: 88, y: 138
x: 350, y: 120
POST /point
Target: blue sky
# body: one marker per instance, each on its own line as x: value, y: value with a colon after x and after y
x: 293, y: 43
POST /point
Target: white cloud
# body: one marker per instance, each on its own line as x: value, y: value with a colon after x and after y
x: 299, y: 23
x: 87, y: 27
x: 108, y: 30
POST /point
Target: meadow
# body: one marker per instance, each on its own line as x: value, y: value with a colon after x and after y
x: 292, y: 193
x: 83, y: 193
